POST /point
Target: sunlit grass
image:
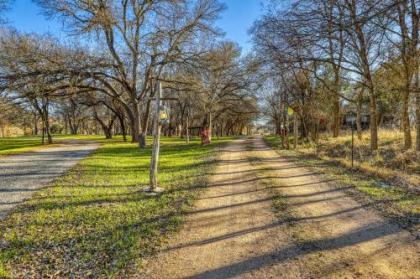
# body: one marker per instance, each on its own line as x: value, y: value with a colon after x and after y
x: 96, y: 218
x: 391, y: 159
x: 15, y: 145
x: 18, y: 145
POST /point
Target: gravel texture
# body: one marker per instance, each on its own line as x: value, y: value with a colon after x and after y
x: 22, y: 175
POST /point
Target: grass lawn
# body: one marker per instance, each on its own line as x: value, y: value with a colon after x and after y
x: 374, y: 183
x: 95, y: 220
x: 17, y: 145
x: 390, y: 163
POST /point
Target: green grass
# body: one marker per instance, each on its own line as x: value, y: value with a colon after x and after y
x: 97, y: 138
x: 15, y: 145
x: 393, y: 200
x: 391, y: 162
x: 18, y: 145
x: 96, y: 220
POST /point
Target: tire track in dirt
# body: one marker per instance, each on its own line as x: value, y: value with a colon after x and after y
x: 233, y: 233
x: 231, y: 223
x: 338, y: 237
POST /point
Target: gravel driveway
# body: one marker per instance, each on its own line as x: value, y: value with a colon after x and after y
x: 22, y: 175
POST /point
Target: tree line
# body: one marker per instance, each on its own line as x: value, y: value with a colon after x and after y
x: 328, y: 59
x: 117, y: 52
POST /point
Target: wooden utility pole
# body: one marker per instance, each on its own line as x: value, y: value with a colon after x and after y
x: 156, y: 143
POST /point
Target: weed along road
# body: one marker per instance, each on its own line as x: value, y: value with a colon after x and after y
x: 22, y: 175
x: 316, y: 230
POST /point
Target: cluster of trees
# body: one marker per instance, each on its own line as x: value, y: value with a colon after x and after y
x: 107, y: 75
x: 327, y: 58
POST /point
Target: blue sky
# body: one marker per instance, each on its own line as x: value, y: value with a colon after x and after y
x: 235, y: 21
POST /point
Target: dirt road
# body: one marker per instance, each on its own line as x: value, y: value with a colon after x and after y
x: 322, y: 233
x: 22, y: 175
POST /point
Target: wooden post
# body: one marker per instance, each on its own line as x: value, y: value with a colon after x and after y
x: 156, y: 144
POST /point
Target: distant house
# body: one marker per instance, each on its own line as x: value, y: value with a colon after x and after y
x: 383, y: 119
x: 350, y: 116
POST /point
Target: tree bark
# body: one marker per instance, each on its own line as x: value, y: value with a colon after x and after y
x: 35, y: 125
x: 122, y: 126
x: 45, y: 117
x: 359, y: 103
x: 417, y: 113
x: 106, y: 127
x: 373, y: 123
x: 145, y: 126
x: 43, y: 132
x: 406, y: 118
x: 336, y: 116
x: 210, y: 125
x: 135, y: 123
x: 187, y: 128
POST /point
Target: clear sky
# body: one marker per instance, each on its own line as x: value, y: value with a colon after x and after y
x: 235, y: 21
x: 238, y: 18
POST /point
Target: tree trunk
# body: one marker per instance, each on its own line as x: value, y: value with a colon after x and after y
x: 108, y: 133
x: 65, y: 124
x: 45, y: 103
x: 145, y: 126
x: 107, y: 129
x: 46, y: 130
x: 123, y: 128
x: 406, y: 118
x: 336, y: 116
x: 363, y: 53
x: 2, y: 132
x: 135, y: 123
x: 43, y: 131
x: 73, y: 129
x: 35, y: 126
x: 286, y: 126
x: 359, y: 103
x: 417, y: 113
x: 187, y: 129
x: 210, y: 125
x: 373, y: 123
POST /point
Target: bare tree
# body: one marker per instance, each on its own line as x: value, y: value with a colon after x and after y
x: 139, y: 37
x: 402, y: 32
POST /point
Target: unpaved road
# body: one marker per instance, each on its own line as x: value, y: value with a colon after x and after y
x: 233, y: 233
x: 22, y: 175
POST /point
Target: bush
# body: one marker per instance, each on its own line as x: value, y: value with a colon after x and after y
x: 56, y: 128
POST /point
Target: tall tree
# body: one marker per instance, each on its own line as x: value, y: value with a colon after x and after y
x: 139, y: 37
